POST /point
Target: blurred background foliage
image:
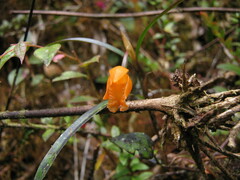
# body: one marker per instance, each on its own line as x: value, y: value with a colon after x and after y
x: 208, y: 41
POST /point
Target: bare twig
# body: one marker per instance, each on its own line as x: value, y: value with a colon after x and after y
x: 225, y: 115
x: 94, y: 161
x: 193, y: 149
x: 199, y: 90
x: 84, y: 160
x: 159, y: 104
x: 213, y: 98
x: 54, y: 112
x: 224, y: 152
x: 233, y: 134
x: 216, y: 114
x: 221, y: 106
x: 45, y: 127
x: 75, y: 158
x: 216, y: 163
x: 209, y: 44
x: 212, y: 139
x: 126, y: 15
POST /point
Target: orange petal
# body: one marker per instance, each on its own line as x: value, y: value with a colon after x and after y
x: 119, y: 86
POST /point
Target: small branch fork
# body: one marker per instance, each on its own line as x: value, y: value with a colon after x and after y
x: 192, y: 113
x: 126, y: 15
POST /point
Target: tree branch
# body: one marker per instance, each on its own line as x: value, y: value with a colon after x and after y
x: 47, y: 126
x: 54, y: 112
x: 220, y: 118
x: 202, y: 108
x: 126, y: 15
x: 159, y: 104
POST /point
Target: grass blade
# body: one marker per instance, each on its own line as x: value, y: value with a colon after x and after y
x: 62, y: 140
x: 142, y: 36
x: 93, y: 41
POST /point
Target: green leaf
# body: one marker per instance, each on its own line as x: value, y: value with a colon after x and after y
x: 128, y: 177
x: 113, y: 59
x: 34, y: 60
x: 150, y: 64
x: 69, y: 75
x: 115, y: 131
x: 63, y: 139
x: 142, y: 36
x: 97, y: 119
x: 134, y: 161
x: 111, y: 146
x: 90, y: 61
x: 218, y: 89
x: 8, y: 54
x: 123, y: 158
x: 82, y: 99
x: 93, y: 41
x: 237, y: 83
x: 122, y: 171
x: 144, y: 176
x: 47, y: 120
x: 230, y: 67
x: 22, y: 74
x: 36, y: 79
x: 20, y: 50
x: 47, y: 53
x: 236, y: 117
x: 17, y: 50
x: 68, y: 120
x: 47, y: 134
x: 101, y: 79
x: 133, y: 142
x: 220, y: 132
x: 138, y: 166
x: 169, y: 28
x: 129, y: 23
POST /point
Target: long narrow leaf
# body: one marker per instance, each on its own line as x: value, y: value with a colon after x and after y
x: 142, y: 36
x: 62, y: 140
x: 230, y: 67
x: 94, y: 41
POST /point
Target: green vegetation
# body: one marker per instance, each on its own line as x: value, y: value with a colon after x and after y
x: 52, y: 85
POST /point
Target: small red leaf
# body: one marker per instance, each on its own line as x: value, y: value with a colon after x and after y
x: 58, y: 57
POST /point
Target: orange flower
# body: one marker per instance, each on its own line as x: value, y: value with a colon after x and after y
x: 119, y: 85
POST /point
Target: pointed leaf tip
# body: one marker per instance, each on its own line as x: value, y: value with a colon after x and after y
x: 47, y: 53
x: 20, y: 50
x: 69, y: 75
x: 128, y: 46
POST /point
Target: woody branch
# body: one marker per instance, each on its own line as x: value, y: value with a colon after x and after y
x: 209, y: 107
x: 126, y: 15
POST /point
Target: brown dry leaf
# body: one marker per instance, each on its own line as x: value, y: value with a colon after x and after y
x: 100, y: 160
x: 128, y: 46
